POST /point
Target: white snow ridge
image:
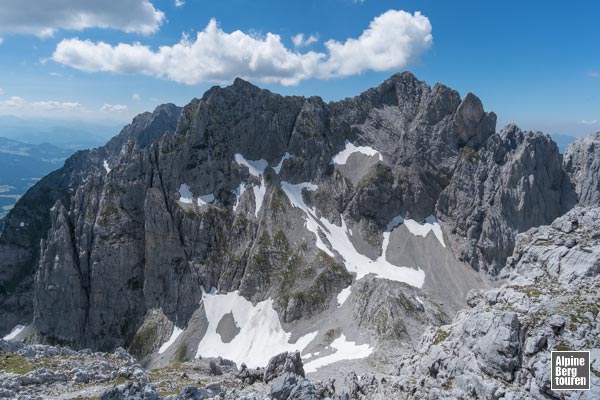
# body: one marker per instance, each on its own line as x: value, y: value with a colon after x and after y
x: 106, y: 167
x: 260, y: 335
x: 342, y: 157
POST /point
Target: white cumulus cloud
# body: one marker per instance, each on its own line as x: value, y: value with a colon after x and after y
x: 16, y: 102
x: 300, y: 41
x: 113, y: 108
x: 136, y: 97
x: 44, y: 18
x: 588, y: 121
x: 16, y: 105
x: 392, y: 41
x: 179, y: 3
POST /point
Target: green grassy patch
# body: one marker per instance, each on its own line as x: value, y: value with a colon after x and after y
x: 440, y: 336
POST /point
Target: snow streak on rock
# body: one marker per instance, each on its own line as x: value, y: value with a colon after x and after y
x: 277, y: 168
x: 338, y: 237
x: 343, y: 296
x: 176, y: 332
x: 14, y: 332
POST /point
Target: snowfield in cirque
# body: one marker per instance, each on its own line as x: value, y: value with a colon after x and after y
x: 260, y: 334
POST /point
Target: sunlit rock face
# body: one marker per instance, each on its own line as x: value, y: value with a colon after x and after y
x: 248, y: 223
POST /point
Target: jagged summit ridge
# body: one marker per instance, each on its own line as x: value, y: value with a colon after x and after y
x: 245, y: 191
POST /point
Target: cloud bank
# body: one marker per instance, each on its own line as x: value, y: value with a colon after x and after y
x: 44, y: 18
x: 392, y: 40
x: 21, y: 107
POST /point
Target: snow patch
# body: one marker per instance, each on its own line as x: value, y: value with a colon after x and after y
x: 419, y: 300
x: 206, y: 199
x: 14, y: 332
x: 22, y: 224
x: 255, y: 167
x: 176, y: 332
x: 238, y: 194
x: 423, y: 229
x: 345, y: 350
x: 339, y: 238
x: 185, y: 194
x: 342, y: 157
x: 343, y: 295
x: 106, y: 167
x: 259, y: 195
x: 277, y: 168
x: 261, y: 335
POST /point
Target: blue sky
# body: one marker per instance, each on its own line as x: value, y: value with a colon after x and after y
x: 533, y: 63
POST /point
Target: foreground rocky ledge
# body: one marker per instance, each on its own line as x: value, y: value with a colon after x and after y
x: 48, y: 372
x: 498, y: 349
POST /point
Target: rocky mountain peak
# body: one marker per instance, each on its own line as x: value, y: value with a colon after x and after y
x: 582, y: 162
x: 146, y: 128
x: 392, y: 203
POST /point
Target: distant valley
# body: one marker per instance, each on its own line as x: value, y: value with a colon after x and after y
x: 30, y: 149
x: 22, y: 165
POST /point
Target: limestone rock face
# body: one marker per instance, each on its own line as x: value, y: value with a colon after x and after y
x: 513, y: 183
x: 500, y: 348
x: 29, y: 221
x: 582, y: 163
x: 281, y: 200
